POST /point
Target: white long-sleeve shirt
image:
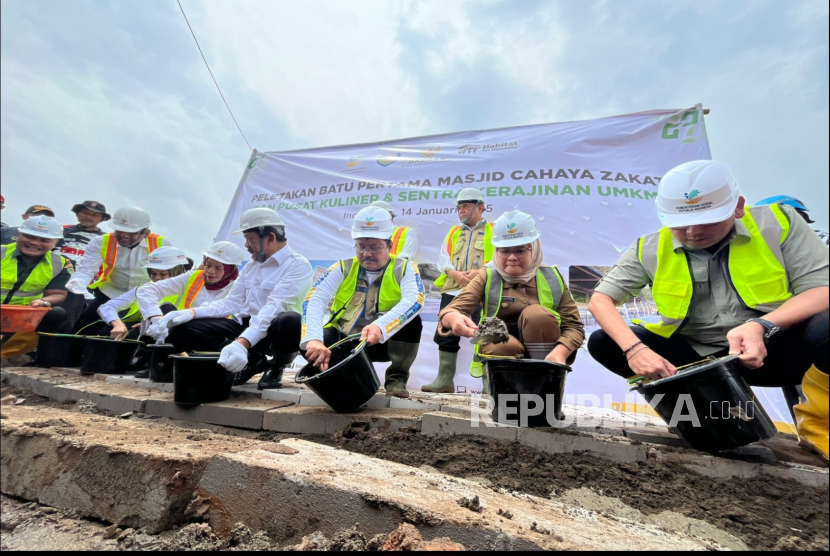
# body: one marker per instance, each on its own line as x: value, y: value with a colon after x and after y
x: 316, y: 311
x: 263, y: 291
x: 410, y: 247
x: 150, y: 294
x: 109, y: 310
x: 128, y: 271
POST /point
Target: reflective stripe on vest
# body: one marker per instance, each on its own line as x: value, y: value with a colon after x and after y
x: 549, y: 285
x: 109, y: 251
x: 390, y: 286
x: 49, y: 266
x: 452, y: 243
x: 756, y: 269
x: 398, y: 240
x: 194, y: 285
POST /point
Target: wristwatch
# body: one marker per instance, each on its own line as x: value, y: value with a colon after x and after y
x: 770, y: 329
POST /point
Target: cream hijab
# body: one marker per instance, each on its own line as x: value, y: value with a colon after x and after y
x: 536, y: 257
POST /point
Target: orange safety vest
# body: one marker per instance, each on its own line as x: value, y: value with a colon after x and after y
x: 194, y: 286
x: 398, y: 240
x: 109, y: 250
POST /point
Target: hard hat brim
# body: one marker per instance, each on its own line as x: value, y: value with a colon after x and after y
x: 701, y: 218
x: 124, y: 228
x: 513, y: 242
x: 35, y: 233
x: 163, y: 266
x: 217, y: 259
x: 371, y: 235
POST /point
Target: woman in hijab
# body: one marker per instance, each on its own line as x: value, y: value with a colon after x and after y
x: 531, y: 298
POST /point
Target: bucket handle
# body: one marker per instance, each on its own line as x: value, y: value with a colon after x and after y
x: 357, y: 348
x: 484, y: 356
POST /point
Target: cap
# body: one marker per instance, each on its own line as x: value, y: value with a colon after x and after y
x: 94, y: 206
x: 40, y: 208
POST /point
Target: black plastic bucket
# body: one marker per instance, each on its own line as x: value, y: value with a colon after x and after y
x: 508, y: 377
x: 106, y: 356
x: 161, y: 367
x: 729, y: 414
x: 349, y: 382
x: 199, y: 378
x: 59, y: 350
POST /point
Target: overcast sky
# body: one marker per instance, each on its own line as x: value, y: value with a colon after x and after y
x: 109, y: 100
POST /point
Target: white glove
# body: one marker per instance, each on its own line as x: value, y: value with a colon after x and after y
x: 176, y: 318
x: 154, y: 329
x: 78, y: 288
x: 234, y: 357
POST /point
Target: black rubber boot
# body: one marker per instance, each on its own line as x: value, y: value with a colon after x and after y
x: 273, y: 377
x: 257, y: 363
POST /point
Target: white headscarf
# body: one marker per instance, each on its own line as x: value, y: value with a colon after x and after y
x: 536, y: 258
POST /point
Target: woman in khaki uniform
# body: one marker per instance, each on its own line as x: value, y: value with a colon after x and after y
x: 531, y: 298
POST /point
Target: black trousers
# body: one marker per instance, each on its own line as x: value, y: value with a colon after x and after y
x: 74, y: 305
x: 212, y: 334
x: 451, y: 343
x: 55, y: 321
x: 291, y: 323
x: 90, y: 312
x: 789, y: 354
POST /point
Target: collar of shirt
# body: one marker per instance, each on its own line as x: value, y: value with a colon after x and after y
x: 481, y: 222
x: 739, y: 231
x: 279, y: 257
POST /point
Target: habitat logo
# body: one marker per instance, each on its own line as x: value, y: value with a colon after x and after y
x: 693, y: 197
x: 355, y: 161
x: 388, y: 159
x: 511, y: 228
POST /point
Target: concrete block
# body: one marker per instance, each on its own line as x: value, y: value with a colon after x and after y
x: 283, y: 394
x: 66, y: 393
x: 37, y: 380
x: 378, y: 401
x: 128, y: 380
x: 243, y: 412
x: 403, y: 403
x: 309, y: 398
x: 443, y: 424
x: 306, y: 420
x: 164, y: 407
x: 554, y: 441
x: 248, y: 389
x: 655, y: 436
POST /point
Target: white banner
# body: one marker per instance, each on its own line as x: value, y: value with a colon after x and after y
x: 590, y: 185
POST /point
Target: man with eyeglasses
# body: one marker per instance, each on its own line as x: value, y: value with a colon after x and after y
x: 113, y: 263
x: 274, y: 282
x: 374, y: 294
x: 727, y: 280
x: 467, y: 248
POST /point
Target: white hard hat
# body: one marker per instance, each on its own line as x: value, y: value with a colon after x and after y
x: 514, y: 228
x: 385, y: 206
x: 695, y: 193
x: 470, y: 194
x: 130, y: 219
x: 41, y: 225
x: 226, y: 252
x: 373, y: 222
x: 259, y: 217
x: 165, y: 258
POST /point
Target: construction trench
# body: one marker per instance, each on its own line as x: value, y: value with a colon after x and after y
x: 107, y: 462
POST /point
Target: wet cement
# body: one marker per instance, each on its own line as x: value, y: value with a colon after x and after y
x: 762, y: 512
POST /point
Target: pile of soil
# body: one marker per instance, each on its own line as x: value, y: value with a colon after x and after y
x: 761, y: 511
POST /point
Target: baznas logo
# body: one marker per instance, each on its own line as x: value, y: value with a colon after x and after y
x: 386, y: 160
x: 693, y: 197
x: 511, y: 228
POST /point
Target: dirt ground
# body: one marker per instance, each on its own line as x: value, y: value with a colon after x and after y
x: 765, y: 514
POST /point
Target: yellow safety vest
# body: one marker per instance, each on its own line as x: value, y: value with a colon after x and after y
x: 194, y: 285
x: 49, y: 266
x: 390, y: 287
x: 452, y: 242
x: 549, y: 285
x: 109, y: 250
x: 398, y: 240
x: 756, y: 269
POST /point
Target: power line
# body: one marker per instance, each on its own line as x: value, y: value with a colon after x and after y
x: 211, y: 75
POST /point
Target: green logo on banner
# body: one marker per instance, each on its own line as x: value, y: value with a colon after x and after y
x: 683, y: 127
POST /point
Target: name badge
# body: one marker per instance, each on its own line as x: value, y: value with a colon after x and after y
x: 508, y: 299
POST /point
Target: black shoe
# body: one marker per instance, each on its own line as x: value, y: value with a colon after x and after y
x: 271, y: 379
x: 144, y: 373
x: 256, y: 364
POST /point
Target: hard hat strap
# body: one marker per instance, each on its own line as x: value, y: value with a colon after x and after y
x: 260, y: 256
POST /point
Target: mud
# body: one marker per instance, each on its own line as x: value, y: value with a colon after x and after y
x: 491, y: 330
x: 758, y: 511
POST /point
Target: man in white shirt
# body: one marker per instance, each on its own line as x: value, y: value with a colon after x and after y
x: 276, y: 280
x: 120, y: 257
x: 374, y: 294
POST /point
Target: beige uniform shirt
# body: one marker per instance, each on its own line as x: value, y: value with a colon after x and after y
x: 716, y: 307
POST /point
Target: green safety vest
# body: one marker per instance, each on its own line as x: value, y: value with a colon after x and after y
x: 549, y: 284
x: 49, y: 266
x: 452, y: 244
x: 390, y: 287
x: 756, y: 269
